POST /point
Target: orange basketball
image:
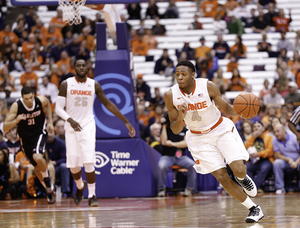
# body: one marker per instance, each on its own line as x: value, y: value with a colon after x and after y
x: 246, y: 105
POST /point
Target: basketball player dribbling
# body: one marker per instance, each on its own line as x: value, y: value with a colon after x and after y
x: 211, y: 138
x: 77, y: 95
x: 28, y: 114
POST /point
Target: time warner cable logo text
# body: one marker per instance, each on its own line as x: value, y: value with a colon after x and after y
x: 120, y: 162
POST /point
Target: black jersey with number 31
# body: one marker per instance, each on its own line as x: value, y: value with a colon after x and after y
x: 35, y: 122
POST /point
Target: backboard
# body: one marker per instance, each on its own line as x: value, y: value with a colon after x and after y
x: 55, y: 2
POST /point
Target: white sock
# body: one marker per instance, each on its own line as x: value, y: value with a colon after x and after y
x: 92, y: 190
x: 45, y: 174
x: 79, y: 183
x: 248, y: 203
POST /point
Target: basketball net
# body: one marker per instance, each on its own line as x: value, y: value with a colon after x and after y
x: 72, y: 10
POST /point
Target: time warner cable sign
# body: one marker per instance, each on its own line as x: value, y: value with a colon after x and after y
x: 120, y: 162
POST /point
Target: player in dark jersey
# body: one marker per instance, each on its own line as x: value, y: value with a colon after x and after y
x: 28, y: 114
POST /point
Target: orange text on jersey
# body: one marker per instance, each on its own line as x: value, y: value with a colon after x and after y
x: 81, y: 92
x: 196, y: 106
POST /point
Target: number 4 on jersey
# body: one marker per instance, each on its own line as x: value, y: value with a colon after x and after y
x: 196, y: 116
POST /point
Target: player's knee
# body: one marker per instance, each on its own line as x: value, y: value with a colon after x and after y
x: 89, y: 168
x: 240, y: 171
x: 238, y: 168
x: 90, y: 173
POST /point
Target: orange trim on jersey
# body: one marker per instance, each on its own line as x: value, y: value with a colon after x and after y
x: 210, y: 129
x: 81, y: 82
x: 193, y: 89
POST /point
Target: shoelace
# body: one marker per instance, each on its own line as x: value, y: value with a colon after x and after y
x: 247, y: 184
x: 254, y: 211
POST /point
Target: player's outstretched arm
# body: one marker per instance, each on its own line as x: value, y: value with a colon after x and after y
x: 176, y: 116
x: 12, y: 119
x: 47, y: 107
x: 113, y: 108
x: 215, y: 94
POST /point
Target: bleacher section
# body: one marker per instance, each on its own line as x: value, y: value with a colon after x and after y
x: 178, y: 33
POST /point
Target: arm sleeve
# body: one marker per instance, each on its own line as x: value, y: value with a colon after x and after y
x: 59, y: 108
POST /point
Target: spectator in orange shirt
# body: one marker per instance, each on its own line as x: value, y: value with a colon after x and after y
x: 230, y: 5
x: 237, y: 83
x: 232, y: 64
x: 29, y: 77
x: 200, y: 52
x: 140, y: 47
x: 281, y: 22
x: 294, y: 65
x: 53, y: 34
x: 150, y: 39
x: 54, y: 75
x: 39, y: 29
x: 7, y: 32
x: 90, y: 39
x: 28, y: 46
x: 58, y: 20
x: 64, y: 59
x: 142, y: 115
x: 209, y: 8
x: 239, y: 49
x: 35, y: 59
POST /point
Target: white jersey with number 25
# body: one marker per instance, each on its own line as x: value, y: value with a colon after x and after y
x: 79, y: 101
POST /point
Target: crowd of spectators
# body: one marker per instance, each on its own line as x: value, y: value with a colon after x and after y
x: 27, y: 45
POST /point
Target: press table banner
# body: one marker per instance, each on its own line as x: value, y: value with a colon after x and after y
x: 125, y: 168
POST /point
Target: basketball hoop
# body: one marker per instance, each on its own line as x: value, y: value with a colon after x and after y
x: 72, y: 10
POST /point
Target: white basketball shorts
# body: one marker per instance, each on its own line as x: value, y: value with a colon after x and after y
x: 209, y: 150
x: 81, y: 145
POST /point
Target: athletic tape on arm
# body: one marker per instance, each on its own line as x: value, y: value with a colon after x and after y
x: 59, y: 108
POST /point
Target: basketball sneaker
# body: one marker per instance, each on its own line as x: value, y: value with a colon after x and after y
x: 50, y: 195
x: 49, y: 191
x: 93, y: 202
x: 255, y: 214
x: 78, y: 197
x: 248, y: 185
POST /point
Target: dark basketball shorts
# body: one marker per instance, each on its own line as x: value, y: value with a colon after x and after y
x: 34, y: 145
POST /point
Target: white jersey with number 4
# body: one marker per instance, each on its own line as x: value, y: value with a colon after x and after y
x: 79, y: 101
x: 202, y: 113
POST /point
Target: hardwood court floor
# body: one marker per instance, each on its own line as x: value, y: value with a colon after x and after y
x: 207, y: 211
